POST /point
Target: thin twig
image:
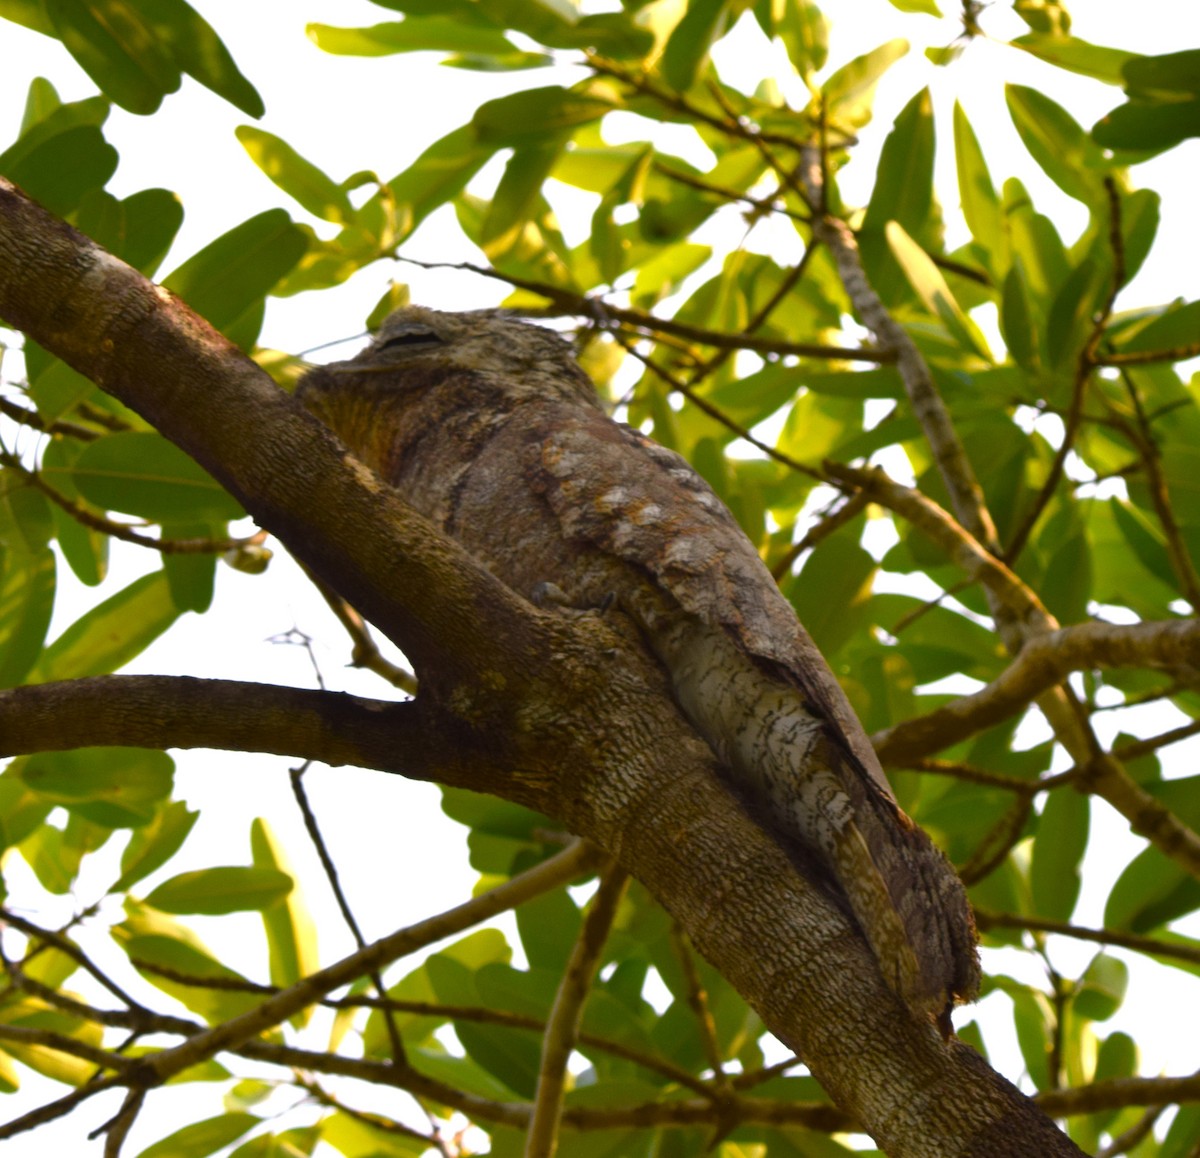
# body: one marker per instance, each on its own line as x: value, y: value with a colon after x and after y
x: 576, y: 304
x: 331, y: 875
x: 566, y: 1014
x: 35, y: 421
x: 1180, y: 951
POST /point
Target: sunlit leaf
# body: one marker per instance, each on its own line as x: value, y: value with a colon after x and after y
x: 109, y: 635
x: 850, y: 92
x: 225, y: 889
x: 1068, y: 156
x: 290, y: 930
x: 1075, y: 55
x: 1102, y: 988
x: 153, y: 844
x: 27, y: 587
x: 297, y: 177
x: 416, y: 34
x: 925, y: 277
x: 200, y: 1139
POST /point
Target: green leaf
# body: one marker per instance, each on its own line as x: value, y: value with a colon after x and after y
x: 931, y: 287
x: 977, y: 195
x: 850, y: 92
x: 927, y: 7
x: 113, y: 44
x: 30, y: 13
x: 200, y: 52
x: 1142, y: 127
x: 527, y: 117
x: 1066, y: 154
x: 903, y: 193
x: 152, y: 845
x: 192, y: 575
x: 549, y: 926
x: 58, y: 170
x: 1058, y: 851
x: 141, y: 473
x: 1069, y: 321
x: 27, y: 587
x: 138, y: 230
x: 1016, y: 321
x: 42, y: 98
x: 416, y: 34
x: 199, y: 1139
x: 1101, y: 989
x: 516, y: 197
x: 437, y: 175
x: 1164, y: 77
x: 1048, y: 17
x: 802, y: 28
x: 22, y: 810
x: 290, y: 930
x: 231, y: 275
x: 297, y: 177
x: 109, y: 635
x: 1177, y: 325
x: 1075, y: 55
x: 832, y: 591
x: 687, y: 47
x: 225, y: 889
x: 353, y: 1137
x: 115, y: 787
x: 153, y: 938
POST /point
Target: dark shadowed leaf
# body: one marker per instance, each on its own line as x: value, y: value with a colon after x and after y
x: 59, y: 170
x: 143, y: 474
x: 200, y: 52
x: 1057, y: 851
x: 116, y: 46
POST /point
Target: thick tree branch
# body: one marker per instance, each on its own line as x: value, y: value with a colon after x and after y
x: 148, y: 349
x: 183, y: 712
x: 595, y: 741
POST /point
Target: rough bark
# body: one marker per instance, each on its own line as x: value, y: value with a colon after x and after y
x: 564, y: 713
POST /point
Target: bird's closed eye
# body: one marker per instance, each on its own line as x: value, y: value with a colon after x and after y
x: 411, y: 337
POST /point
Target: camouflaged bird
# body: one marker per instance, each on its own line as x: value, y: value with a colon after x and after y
x: 488, y: 426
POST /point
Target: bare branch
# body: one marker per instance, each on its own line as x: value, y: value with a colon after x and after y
x: 1043, y: 662
x: 955, y: 468
x: 566, y: 1015
x: 579, y: 858
x: 1177, y: 950
x: 1112, y: 1095
x: 575, y: 304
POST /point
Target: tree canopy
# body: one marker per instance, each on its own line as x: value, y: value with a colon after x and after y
x: 961, y: 441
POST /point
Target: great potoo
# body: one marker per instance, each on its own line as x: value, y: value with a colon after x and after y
x: 489, y: 427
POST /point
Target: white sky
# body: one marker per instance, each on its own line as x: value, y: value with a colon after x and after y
x: 399, y: 859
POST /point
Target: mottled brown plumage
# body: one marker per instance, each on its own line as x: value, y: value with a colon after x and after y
x: 489, y: 427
